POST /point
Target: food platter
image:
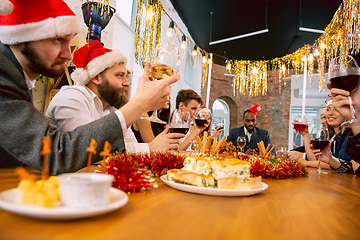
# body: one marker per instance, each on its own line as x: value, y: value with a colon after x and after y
x: 10, y: 201
x: 213, y: 191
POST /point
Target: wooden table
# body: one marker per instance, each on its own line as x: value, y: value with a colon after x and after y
x: 315, y: 207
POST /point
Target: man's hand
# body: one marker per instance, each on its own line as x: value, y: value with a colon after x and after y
x: 165, y: 141
x: 251, y: 152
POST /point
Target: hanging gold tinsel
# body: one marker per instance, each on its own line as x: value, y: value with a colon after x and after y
x: 147, y: 30
x: 341, y: 37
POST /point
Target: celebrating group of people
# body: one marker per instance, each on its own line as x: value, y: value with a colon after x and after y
x: 97, y: 106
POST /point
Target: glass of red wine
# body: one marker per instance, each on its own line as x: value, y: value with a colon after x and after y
x: 344, y: 73
x: 165, y: 62
x: 179, y: 121
x: 202, y: 115
x: 299, y: 126
x: 319, y: 138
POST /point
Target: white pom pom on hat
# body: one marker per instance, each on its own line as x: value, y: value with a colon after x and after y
x: 254, y: 109
x: 6, y: 7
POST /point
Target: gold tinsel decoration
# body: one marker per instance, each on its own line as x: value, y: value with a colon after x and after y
x: 341, y: 37
x: 147, y: 30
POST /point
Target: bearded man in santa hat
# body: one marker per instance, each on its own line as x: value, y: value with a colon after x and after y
x: 35, y: 39
x: 252, y: 134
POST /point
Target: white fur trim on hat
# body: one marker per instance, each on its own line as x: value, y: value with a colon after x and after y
x: 6, y: 7
x: 322, y: 111
x: 81, y: 76
x: 329, y: 102
x: 98, y: 65
x: 48, y: 28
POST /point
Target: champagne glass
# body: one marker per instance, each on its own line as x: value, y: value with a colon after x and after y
x: 241, y: 142
x: 179, y: 121
x: 282, y: 152
x: 202, y: 115
x: 344, y: 73
x: 165, y: 62
x: 319, y: 139
x: 299, y: 126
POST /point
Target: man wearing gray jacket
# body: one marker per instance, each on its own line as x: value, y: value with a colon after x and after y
x: 39, y: 43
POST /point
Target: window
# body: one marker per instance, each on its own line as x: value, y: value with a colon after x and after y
x: 313, y: 120
x: 125, y: 9
x: 220, y: 113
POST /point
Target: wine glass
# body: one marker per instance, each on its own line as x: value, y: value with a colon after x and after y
x: 202, y: 115
x: 165, y: 62
x: 344, y: 73
x: 241, y: 142
x: 299, y: 126
x: 179, y: 121
x: 281, y: 152
x: 319, y: 138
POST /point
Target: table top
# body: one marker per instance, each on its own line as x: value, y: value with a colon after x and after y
x: 320, y: 206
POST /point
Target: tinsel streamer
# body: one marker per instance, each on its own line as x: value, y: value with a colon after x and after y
x: 277, y: 168
x: 129, y: 175
x: 135, y: 172
x: 205, y: 70
x: 147, y: 30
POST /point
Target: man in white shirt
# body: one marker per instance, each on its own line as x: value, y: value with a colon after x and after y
x: 39, y: 43
x: 188, y: 100
x: 101, y: 89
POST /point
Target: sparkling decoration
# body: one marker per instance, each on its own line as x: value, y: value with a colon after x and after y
x: 136, y: 172
x: 147, y: 29
x: 273, y: 167
x: 341, y: 37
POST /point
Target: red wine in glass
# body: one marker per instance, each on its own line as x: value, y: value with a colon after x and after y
x: 299, y: 127
x: 319, y: 144
x: 179, y: 130
x: 200, y: 122
x: 347, y: 83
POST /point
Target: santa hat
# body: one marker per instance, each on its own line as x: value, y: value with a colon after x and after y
x: 92, y: 59
x: 26, y: 21
x: 255, y: 109
x: 322, y: 111
x: 329, y: 102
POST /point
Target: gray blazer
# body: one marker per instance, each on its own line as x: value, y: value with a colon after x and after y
x: 22, y: 127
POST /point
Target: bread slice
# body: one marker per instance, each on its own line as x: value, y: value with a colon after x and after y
x: 190, y: 178
x: 239, y: 183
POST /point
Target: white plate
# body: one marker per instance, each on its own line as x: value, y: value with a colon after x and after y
x: 10, y: 201
x: 213, y: 191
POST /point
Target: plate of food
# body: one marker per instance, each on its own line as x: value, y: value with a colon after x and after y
x: 213, y: 191
x: 10, y: 200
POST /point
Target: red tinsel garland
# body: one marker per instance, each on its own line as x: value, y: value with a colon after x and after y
x: 134, y: 172
x: 272, y: 167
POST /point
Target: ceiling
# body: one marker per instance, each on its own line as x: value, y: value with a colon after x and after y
x: 232, y: 18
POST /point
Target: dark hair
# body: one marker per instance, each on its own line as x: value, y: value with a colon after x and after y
x: 247, y: 112
x: 186, y: 95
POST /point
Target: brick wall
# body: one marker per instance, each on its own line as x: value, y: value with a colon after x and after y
x: 275, y: 106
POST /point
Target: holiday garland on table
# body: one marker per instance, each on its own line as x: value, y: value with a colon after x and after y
x: 136, y: 172
x: 271, y: 167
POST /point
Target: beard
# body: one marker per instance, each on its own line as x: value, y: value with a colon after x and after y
x: 38, y: 65
x: 114, y: 96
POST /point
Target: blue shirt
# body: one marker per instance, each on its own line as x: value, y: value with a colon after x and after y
x: 339, y: 144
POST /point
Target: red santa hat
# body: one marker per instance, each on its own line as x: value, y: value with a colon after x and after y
x: 26, y: 21
x: 255, y: 109
x: 329, y: 102
x: 92, y: 59
x: 322, y: 111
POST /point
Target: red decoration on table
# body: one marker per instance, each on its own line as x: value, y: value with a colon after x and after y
x: 278, y: 168
x: 135, y: 172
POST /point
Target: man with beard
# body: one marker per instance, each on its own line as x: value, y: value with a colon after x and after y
x: 35, y: 39
x: 101, y: 89
x: 252, y: 134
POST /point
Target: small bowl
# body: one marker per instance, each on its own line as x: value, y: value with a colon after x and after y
x: 85, y: 189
